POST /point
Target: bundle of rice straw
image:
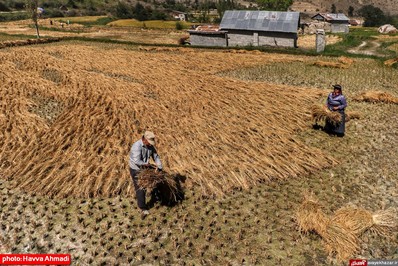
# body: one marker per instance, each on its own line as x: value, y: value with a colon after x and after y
x: 341, y: 232
x: 391, y: 62
x: 151, y: 178
x: 385, y: 222
x: 331, y: 64
x: 310, y: 216
x: 338, y: 240
x: 352, y: 115
x: 321, y: 113
x: 376, y: 97
x: 343, y: 62
x: 358, y: 220
x: 346, y: 60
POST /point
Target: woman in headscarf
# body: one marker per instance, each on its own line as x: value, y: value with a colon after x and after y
x: 336, y: 102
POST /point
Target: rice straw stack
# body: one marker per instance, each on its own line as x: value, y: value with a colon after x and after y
x: 391, y: 62
x: 338, y: 240
x: 341, y: 232
x: 385, y: 222
x: 331, y: 64
x: 352, y: 115
x: 310, y: 216
x: 357, y: 220
x: 376, y: 97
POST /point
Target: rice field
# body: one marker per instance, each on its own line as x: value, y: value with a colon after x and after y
x: 237, y: 125
x: 249, y: 135
x: 152, y: 24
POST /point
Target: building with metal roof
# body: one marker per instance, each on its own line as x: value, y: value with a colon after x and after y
x: 339, y: 22
x: 253, y: 28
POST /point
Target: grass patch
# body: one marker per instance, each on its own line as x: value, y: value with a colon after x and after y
x: 91, y: 21
x: 44, y: 28
x: 82, y: 20
x: 8, y: 37
x: 13, y: 16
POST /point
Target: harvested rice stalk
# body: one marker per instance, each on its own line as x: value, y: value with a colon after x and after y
x: 310, y: 217
x: 150, y: 178
x: 340, y: 241
x: 331, y: 64
x: 346, y: 61
x: 376, y: 97
x: 352, y: 115
x: 391, y: 62
x: 384, y: 222
x: 321, y: 113
x: 357, y: 220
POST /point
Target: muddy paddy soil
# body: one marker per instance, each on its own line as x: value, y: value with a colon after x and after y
x: 254, y: 227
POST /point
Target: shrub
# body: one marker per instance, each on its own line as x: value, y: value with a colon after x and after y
x: 4, y: 7
x: 179, y: 25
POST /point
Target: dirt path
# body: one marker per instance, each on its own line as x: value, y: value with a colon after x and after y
x: 367, y: 48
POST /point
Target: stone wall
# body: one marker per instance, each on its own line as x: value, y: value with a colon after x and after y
x: 208, y: 39
x: 247, y: 38
x: 339, y: 28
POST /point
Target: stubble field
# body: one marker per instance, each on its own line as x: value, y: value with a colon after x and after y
x: 236, y: 124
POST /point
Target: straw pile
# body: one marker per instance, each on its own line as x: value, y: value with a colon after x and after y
x: 376, y: 97
x: 341, y: 232
x: 322, y: 114
x: 67, y: 125
x: 338, y: 240
x: 27, y: 42
x: 391, y: 62
x: 352, y: 115
x: 343, y: 63
x: 358, y: 220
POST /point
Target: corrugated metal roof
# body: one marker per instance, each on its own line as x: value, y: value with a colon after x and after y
x: 260, y: 20
x: 332, y: 16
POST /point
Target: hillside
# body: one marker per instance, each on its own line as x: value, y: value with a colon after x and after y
x: 313, y: 6
x: 57, y: 8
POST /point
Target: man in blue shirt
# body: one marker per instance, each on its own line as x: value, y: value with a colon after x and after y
x: 140, y: 153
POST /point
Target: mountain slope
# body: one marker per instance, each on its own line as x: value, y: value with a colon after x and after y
x: 313, y: 6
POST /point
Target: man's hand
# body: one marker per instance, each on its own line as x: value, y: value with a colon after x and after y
x: 147, y: 166
x: 336, y: 108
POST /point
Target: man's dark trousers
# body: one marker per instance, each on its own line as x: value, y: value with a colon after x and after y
x: 140, y: 193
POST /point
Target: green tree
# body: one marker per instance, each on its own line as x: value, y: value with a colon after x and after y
x: 123, y: 10
x: 72, y: 4
x: 350, y: 11
x: 32, y: 9
x: 274, y: 5
x: 372, y: 15
x: 141, y: 13
x: 223, y: 5
x: 333, y: 8
x: 4, y: 7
